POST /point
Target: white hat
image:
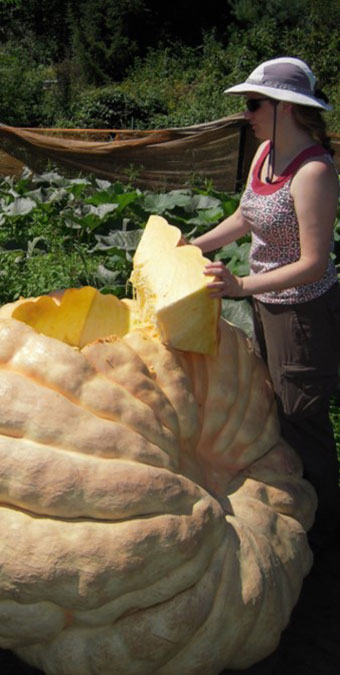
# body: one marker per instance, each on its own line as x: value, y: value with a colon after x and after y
x: 285, y: 79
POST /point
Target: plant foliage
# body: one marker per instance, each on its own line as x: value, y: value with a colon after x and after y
x: 58, y: 232
x: 161, y: 66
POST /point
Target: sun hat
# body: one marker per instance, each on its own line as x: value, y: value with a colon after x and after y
x: 284, y: 79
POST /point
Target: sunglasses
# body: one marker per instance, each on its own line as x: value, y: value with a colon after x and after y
x: 253, y: 104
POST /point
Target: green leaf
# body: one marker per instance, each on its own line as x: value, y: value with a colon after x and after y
x: 88, y: 217
x: 207, y: 217
x: 79, y: 181
x: 198, y: 202
x: 105, y: 276
x: 51, y: 178
x: 103, y: 184
x: 230, y: 205
x: 21, y: 206
x: 39, y: 195
x: 243, y: 251
x: 160, y: 203
x: 128, y: 240
x: 31, y: 245
x: 121, y: 201
x: 227, y: 252
x: 241, y: 269
x: 77, y: 190
x: 236, y: 257
x: 102, y: 197
x: 239, y: 313
x: 102, y: 210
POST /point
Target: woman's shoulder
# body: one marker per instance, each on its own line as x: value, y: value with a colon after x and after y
x: 316, y: 161
x: 316, y: 171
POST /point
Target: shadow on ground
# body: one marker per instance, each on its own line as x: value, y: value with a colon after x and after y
x: 309, y: 646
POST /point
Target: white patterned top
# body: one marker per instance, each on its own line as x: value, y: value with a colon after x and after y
x: 269, y: 208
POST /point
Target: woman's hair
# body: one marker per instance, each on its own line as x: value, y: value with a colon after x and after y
x: 310, y: 119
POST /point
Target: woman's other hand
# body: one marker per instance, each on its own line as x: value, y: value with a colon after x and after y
x: 225, y: 283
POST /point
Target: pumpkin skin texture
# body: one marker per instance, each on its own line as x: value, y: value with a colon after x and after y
x: 152, y: 520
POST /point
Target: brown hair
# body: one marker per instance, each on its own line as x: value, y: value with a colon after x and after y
x: 310, y: 119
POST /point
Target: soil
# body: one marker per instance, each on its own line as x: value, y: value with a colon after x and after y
x: 310, y: 645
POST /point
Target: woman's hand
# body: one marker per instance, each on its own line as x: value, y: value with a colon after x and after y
x: 225, y: 283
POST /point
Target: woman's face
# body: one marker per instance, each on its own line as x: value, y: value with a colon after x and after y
x: 261, y: 120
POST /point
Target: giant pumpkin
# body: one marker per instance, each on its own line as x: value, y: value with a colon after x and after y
x: 152, y: 519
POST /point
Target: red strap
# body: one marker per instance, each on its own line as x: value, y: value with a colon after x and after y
x: 268, y: 188
x: 312, y: 151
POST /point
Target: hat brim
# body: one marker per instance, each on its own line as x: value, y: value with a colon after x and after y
x: 279, y: 95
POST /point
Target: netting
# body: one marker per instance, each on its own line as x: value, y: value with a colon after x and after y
x: 219, y: 151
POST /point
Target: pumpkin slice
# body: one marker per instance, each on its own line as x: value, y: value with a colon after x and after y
x: 79, y: 317
x: 171, y: 290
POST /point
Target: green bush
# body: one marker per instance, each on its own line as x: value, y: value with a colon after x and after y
x: 170, y: 84
x: 187, y: 82
x: 102, y: 36
x: 22, y: 90
x: 110, y: 107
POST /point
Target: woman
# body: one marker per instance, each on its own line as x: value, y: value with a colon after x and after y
x: 289, y: 205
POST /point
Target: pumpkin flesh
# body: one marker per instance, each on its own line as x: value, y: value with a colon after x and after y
x: 77, y: 318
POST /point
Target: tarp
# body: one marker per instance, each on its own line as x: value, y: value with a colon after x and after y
x: 218, y: 151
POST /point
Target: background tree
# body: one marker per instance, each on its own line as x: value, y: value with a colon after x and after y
x: 150, y: 63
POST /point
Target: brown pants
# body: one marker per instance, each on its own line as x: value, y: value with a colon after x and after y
x: 301, y: 345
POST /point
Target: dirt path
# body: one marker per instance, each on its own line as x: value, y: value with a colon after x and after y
x: 309, y: 646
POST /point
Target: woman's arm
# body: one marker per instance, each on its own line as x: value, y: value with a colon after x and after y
x: 315, y: 190
x: 233, y: 227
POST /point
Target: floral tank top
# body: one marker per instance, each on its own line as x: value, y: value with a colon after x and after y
x: 269, y: 208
